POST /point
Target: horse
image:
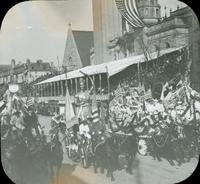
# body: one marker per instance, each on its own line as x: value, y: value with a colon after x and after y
x: 105, y: 156
x: 191, y: 139
x: 127, y: 144
x: 15, y: 157
x: 167, y: 146
x: 54, y: 155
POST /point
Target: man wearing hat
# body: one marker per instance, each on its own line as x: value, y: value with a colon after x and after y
x: 33, y: 120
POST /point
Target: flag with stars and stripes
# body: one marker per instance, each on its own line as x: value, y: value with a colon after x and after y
x: 95, y: 112
x: 128, y: 10
x: 119, y: 91
x: 30, y: 101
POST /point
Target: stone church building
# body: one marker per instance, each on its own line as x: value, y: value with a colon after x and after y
x: 115, y: 39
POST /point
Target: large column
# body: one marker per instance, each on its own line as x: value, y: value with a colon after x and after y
x: 71, y: 86
x: 100, y: 83
x: 58, y: 88
x: 43, y: 90
x: 76, y: 86
x: 54, y: 85
x: 40, y: 90
x: 62, y: 88
x: 107, y: 26
x: 51, y: 89
x: 48, y: 88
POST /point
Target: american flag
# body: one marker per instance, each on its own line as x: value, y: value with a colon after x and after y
x: 129, y: 11
x: 119, y: 91
x: 95, y: 113
x: 30, y: 101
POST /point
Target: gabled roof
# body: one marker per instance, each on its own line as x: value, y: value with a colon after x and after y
x: 84, y: 42
x: 4, y: 69
x: 40, y: 67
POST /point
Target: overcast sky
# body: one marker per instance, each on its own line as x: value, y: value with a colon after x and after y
x: 38, y: 29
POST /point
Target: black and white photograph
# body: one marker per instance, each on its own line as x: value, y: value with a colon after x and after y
x: 100, y: 92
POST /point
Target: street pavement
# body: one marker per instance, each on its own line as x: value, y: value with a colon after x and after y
x: 145, y: 170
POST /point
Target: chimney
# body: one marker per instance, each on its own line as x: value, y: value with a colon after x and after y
x: 39, y: 61
x: 28, y: 61
x: 13, y: 63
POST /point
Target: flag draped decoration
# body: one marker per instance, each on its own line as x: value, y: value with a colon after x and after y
x: 95, y: 113
x: 71, y: 119
x: 119, y: 91
x: 30, y: 101
x: 128, y: 10
x: 2, y: 106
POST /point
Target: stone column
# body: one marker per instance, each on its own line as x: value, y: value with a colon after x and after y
x: 76, y: 86
x: 62, y: 89
x: 50, y: 89
x: 100, y: 83
x: 87, y: 84
x: 54, y: 84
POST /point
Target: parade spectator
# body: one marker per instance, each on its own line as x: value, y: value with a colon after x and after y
x: 33, y: 119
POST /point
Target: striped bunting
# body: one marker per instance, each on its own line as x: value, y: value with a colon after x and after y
x: 2, y: 106
x: 95, y: 113
x: 30, y: 101
x: 129, y: 11
x: 119, y: 91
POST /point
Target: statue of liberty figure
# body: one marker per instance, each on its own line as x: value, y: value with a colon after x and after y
x: 83, y: 102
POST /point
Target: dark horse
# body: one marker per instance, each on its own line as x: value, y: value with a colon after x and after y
x: 54, y: 156
x: 128, y: 146
x: 15, y: 157
x: 167, y: 146
x: 126, y: 142
x: 105, y: 156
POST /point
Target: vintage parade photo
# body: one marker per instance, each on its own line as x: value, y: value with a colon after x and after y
x: 100, y: 92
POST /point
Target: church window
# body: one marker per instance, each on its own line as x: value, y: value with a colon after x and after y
x: 167, y: 45
x: 146, y: 11
x: 157, y: 12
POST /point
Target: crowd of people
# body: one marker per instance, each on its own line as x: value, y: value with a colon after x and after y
x: 177, y: 108
x: 159, y: 123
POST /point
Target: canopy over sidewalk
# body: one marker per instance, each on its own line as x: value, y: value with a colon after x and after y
x: 112, y: 67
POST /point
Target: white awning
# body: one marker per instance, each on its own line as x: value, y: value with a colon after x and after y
x: 112, y: 67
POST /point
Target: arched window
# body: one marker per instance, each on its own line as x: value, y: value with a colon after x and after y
x: 146, y: 11
x: 157, y: 12
x: 167, y: 45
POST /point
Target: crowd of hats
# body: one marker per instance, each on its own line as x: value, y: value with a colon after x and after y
x: 180, y: 104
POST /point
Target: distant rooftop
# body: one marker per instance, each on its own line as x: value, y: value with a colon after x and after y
x: 20, y: 68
